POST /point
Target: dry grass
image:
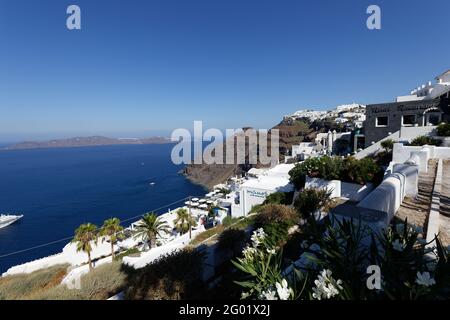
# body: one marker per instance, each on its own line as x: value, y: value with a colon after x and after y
x: 99, y: 284
x: 23, y: 285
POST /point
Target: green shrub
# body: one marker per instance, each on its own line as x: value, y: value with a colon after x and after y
x: 443, y: 130
x: 387, y: 144
x: 363, y: 171
x: 277, y: 233
x: 275, y: 213
x: 207, y: 234
x: 173, y: 276
x: 310, y: 200
x: 276, y: 220
x: 425, y: 140
x: 134, y: 252
x: 256, y: 208
x: 279, y: 198
x: 232, y: 239
x: 335, y: 168
x: 228, y: 221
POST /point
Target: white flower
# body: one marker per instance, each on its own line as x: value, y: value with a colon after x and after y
x: 283, y: 290
x: 258, y: 236
x: 425, y: 279
x: 396, y: 245
x: 326, y: 286
x: 249, y: 252
x: 271, y: 251
x: 245, y: 295
x: 269, y: 295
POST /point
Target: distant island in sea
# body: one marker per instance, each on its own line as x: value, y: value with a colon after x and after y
x: 85, y: 142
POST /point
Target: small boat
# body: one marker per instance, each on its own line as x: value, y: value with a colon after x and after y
x: 152, y: 183
x: 7, y: 219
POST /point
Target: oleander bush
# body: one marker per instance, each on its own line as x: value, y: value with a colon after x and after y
x: 425, y: 140
x: 336, y: 168
x: 337, y: 257
x: 443, y: 130
x: 173, y: 276
x: 310, y: 200
x: 275, y: 220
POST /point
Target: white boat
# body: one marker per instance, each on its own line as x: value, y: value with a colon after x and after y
x: 7, y: 219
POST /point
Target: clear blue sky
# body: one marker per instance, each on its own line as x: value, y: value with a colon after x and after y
x: 139, y: 68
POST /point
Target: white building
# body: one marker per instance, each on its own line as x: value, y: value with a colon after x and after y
x: 255, y: 190
x: 429, y: 91
x: 305, y: 150
x: 328, y: 140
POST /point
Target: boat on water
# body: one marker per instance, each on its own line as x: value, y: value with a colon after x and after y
x: 7, y: 219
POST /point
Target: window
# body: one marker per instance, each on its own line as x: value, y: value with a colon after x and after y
x: 381, y: 122
x: 408, y: 120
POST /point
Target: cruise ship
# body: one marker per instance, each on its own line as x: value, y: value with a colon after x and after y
x: 6, y: 219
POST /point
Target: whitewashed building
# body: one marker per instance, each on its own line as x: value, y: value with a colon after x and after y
x: 255, y: 190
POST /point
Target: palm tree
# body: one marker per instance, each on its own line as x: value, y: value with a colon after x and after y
x: 184, y: 221
x: 150, y: 227
x: 85, y: 234
x: 112, y: 229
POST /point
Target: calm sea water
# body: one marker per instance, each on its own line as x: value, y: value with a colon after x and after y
x: 58, y: 189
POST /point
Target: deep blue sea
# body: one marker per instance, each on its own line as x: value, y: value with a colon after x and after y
x: 58, y: 189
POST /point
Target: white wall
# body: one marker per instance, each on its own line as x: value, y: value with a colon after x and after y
x: 352, y: 191
x: 411, y: 174
x: 334, y: 186
x: 387, y: 197
x: 355, y: 192
x: 251, y: 197
x: 410, y: 133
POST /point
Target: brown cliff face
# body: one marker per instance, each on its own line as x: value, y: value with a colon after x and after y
x: 209, y: 175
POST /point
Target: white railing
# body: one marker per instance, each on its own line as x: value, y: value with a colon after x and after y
x: 376, y: 147
x: 405, y: 134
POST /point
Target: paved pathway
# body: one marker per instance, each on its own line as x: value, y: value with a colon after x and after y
x: 417, y: 209
x: 445, y: 204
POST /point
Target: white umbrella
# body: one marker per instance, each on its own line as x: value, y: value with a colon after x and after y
x: 194, y: 205
x: 195, y: 199
x: 209, y: 195
x: 209, y: 202
x: 202, y: 200
x: 203, y: 206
